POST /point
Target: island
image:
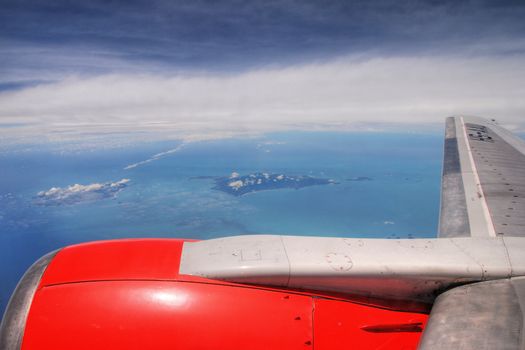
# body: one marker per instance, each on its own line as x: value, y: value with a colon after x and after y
x: 238, y: 185
x: 360, y: 178
x: 80, y: 193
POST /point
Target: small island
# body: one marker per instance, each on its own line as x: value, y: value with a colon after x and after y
x: 238, y: 185
x: 360, y: 178
x: 79, y: 193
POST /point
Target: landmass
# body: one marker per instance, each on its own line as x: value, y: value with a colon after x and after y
x: 238, y: 185
x: 80, y: 193
x: 205, y: 177
x: 360, y: 178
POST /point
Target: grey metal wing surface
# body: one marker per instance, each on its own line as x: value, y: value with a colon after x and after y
x: 483, y: 183
x: 479, y: 316
x: 483, y: 197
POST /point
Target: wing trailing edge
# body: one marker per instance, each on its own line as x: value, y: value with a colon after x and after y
x: 479, y: 316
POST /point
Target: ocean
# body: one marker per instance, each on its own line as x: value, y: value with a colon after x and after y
x: 387, y: 186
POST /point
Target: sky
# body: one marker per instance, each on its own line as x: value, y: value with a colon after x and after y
x: 206, y: 69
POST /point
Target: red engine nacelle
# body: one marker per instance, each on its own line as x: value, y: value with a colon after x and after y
x: 128, y: 294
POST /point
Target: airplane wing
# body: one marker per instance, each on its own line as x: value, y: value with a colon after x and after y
x: 483, y: 195
x: 483, y: 184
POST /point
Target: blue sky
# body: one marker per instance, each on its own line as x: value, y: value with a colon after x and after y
x: 94, y: 37
x: 211, y: 68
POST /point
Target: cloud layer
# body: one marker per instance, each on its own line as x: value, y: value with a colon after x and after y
x: 207, y: 69
x: 80, y: 193
x: 339, y: 94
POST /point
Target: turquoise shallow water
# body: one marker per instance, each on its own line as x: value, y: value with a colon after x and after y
x: 163, y: 199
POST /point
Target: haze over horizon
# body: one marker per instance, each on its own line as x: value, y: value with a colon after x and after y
x: 213, y: 69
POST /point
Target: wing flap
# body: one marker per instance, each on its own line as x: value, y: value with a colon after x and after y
x: 483, y: 185
x: 479, y: 316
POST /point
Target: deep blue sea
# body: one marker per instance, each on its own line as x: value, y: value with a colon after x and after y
x: 164, y: 199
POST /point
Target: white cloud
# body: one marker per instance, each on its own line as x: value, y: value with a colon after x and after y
x: 155, y: 157
x: 80, y: 193
x: 345, y: 93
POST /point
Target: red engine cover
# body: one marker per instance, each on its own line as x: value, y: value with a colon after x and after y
x: 128, y: 295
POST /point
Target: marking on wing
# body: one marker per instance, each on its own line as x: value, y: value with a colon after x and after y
x: 339, y: 262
